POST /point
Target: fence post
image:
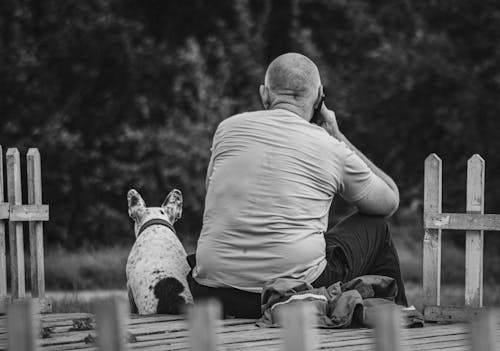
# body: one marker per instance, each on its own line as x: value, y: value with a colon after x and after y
x: 36, y: 227
x: 22, y: 325
x: 474, y: 238
x: 483, y: 331
x: 111, y: 320
x: 15, y: 228
x: 388, y: 328
x: 3, y: 216
x: 203, y: 322
x: 431, y: 276
x: 298, y: 321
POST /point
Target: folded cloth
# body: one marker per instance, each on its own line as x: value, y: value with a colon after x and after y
x: 338, y: 306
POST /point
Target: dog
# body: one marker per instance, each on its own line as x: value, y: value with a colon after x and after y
x: 157, y: 266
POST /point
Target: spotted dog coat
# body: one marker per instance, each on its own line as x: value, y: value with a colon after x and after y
x: 156, y: 266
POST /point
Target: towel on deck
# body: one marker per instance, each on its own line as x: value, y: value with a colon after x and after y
x: 341, y: 305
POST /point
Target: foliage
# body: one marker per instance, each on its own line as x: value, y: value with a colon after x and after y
x: 121, y: 94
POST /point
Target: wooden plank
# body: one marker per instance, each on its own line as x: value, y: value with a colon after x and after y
x: 204, y: 322
x: 474, y: 238
x: 22, y: 325
x: 178, y: 339
x: 27, y: 213
x: 34, y: 172
x: 4, y: 210
x: 350, y: 339
x: 388, y: 329
x: 14, y: 194
x: 432, y: 237
x: 482, y: 332
x: 110, y: 318
x: 429, y: 338
x: 3, y: 255
x: 451, y: 313
x: 462, y: 221
x: 298, y: 321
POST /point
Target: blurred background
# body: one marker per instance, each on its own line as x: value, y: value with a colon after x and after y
x: 121, y: 94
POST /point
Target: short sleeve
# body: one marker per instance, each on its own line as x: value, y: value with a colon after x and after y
x: 357, y: 178
x: 215, y: 143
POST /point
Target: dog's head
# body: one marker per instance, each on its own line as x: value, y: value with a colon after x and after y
x: 170, y: 210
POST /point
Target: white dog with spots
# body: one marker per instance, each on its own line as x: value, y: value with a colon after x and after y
x: 157, y: 266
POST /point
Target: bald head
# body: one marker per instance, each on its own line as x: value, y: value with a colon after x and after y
x: 292, y: 82
x: 293, y: 74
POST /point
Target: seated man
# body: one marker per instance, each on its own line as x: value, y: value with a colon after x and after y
x: 270, y: 183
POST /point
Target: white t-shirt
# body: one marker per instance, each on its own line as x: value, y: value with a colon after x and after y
x: 270, y: 183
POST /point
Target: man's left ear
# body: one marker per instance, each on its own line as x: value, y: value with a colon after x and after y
x: 264, y: 96
x: 320, y: 97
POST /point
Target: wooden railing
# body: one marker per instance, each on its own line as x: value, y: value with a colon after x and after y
x: 474, y: 222
x: 299, y: 334
x: 15, y: 213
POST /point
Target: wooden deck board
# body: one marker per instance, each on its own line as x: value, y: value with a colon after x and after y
x: 171, y: 333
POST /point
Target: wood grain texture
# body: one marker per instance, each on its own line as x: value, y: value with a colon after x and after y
x: 4, y: 213
x: 4, y: 210
x: 204, y: 324
x: 34, y: 174
x: 451, y: 313
x: 22, y: 325
x: 474, y: 238
x: 110, y: 318
x: 482, y: 332
x: 432, y: 237
x: 160, y: 333
x: 14, y: 194
x: 462, y: 221
x: 29, y: 213
x: 298, y: 321
x: 388, y: 328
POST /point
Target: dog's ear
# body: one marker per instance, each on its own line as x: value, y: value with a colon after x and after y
x: 173, y: 205
x: 135, y: 203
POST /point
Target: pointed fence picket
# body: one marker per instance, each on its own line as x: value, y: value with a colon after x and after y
x: 474, y: 222
x: 14, y: 213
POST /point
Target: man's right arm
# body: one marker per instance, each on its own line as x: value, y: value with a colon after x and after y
x: 383, y: 196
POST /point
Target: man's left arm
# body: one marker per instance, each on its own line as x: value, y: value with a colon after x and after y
x: 383, y: 199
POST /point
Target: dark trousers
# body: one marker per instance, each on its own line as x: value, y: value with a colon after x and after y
x: 357, y: 245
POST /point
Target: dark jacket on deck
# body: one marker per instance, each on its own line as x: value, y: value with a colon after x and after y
x: 338, y: 306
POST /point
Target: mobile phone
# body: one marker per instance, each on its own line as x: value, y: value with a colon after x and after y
x: 316, y: 118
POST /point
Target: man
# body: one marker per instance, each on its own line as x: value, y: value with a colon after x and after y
x: 270, y: 183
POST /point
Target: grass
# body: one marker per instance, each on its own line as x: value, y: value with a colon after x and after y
x: 81, y: 301
x: 86, y: 269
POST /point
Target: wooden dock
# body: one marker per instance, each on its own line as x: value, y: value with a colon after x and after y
x: 72, y: 331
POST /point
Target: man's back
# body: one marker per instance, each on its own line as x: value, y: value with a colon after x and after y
x: 272, y: 180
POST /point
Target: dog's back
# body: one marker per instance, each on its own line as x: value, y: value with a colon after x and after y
x: 157, y: 266
x: 156, y: 272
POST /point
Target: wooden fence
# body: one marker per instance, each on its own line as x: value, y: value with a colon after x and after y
x: 23, y: 327
x: 474, y: 222
x: 15, y: 213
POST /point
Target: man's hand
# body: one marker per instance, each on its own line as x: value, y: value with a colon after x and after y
x: 329, y: 122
